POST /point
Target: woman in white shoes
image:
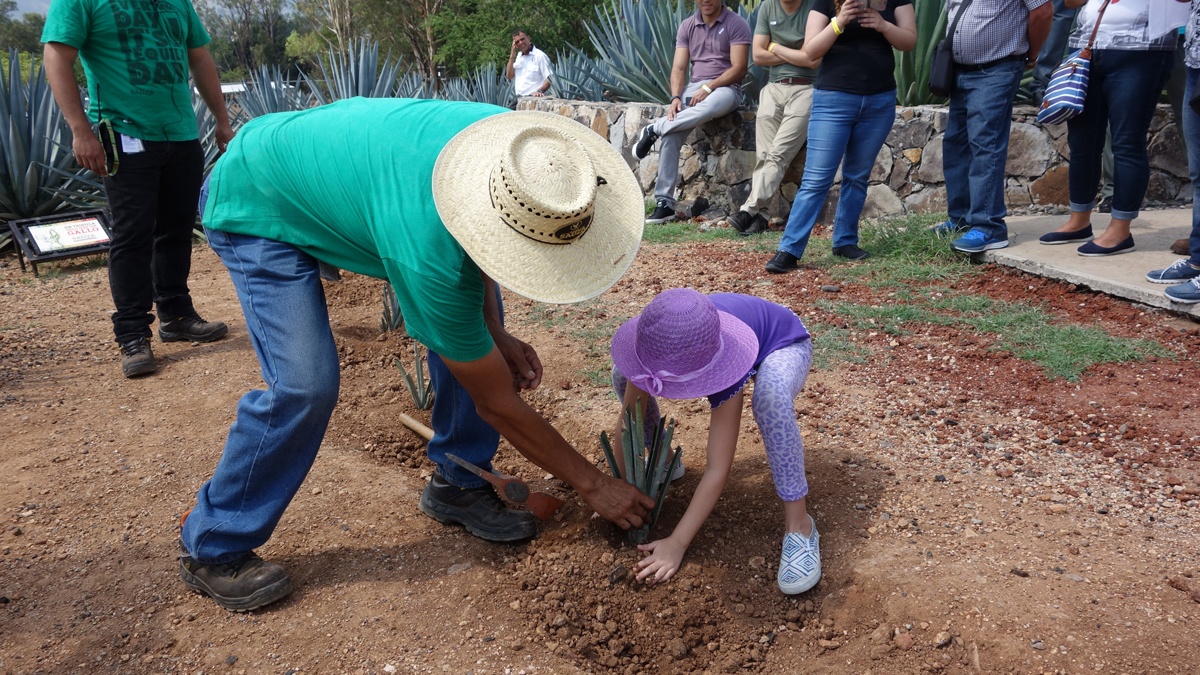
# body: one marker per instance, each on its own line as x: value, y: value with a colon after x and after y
x: 687, y: 345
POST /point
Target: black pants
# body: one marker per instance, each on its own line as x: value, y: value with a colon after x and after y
x: 153, y: 203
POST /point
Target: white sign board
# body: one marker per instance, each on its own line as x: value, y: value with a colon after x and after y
x: 68, y: 234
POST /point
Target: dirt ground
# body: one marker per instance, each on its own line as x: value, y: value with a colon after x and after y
x: 975, y: 515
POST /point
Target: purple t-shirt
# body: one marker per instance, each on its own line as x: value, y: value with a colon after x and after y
x: 775, y: 326
x: 708, y: 47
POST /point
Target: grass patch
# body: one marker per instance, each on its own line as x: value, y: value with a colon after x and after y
x: 904, y: 251
x: 832, y: 345
x: 685, y: 231
x: 598, y: 377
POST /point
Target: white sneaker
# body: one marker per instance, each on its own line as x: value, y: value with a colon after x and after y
x: 800, y: 564
x: 678, y: 472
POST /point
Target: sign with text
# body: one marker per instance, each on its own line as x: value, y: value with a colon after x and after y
x: 68, y: 234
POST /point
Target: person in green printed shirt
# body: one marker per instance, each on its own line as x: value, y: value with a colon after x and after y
x: 139, y: 133
x: 444, y: 200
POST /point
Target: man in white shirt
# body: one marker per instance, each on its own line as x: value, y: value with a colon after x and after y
x: 528, y: 67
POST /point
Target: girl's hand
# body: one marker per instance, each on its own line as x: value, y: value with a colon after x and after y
x: 663, y: 561
x: 869, y: 18
x: 851, y: 10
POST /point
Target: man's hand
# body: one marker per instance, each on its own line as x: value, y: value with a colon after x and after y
x: 675, y: 107
x: 699, y: 96
x: 522, y: 359
x: 89, y: 153
x: 619, y: 502
x: 224, y: 134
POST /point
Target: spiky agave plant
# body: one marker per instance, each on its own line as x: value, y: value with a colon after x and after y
x: 648, y: 469
x: 392, y: 318
x: 419, y: 386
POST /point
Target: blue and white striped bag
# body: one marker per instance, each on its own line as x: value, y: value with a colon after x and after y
x: 1067, y: 89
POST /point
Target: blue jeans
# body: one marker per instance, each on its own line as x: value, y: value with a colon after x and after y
x: 275, y: 437
x: 848, y: 130
x: 1123, y: 89
x: 1055, y: 47
x: 975, y: 147
x: 1191, y: 136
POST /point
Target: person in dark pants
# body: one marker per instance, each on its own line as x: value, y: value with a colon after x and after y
x: 137, y: 56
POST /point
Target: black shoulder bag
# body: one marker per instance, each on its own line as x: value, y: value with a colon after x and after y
x: 941, y: 68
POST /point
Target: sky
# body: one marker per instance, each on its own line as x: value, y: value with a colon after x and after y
x: 38, y: 6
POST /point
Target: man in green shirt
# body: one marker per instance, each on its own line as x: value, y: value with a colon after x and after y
x: 439, y: 198
x: 137, y: 55
x: 781, y: 125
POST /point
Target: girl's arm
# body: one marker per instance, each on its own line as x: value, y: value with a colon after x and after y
x: 819, y: 34
x: 667, y: 554
x: 902, y: 35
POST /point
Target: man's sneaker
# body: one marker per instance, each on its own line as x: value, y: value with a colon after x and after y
x: 740, y: 220
x: 851, y: 252
x: 645, y: 141
x: 478, y: 509
x: 136, y: 358
x: 949, y: 228
x: 664, y: 212
x: 1179, y: 271
x: 800, y: 563
x: 782, y: 262
x: 977, y: 241
x: 1187, y: 293
x: 191, y: 329
x: 239, y: 586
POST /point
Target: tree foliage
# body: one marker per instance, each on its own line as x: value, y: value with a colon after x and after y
x: 247, y: 34
x: 24, y: 34
x: 471, y: 33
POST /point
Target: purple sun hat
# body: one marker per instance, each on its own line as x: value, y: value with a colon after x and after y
x: 682, y: 346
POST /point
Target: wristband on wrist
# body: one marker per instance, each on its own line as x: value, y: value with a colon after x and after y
x: 679, y: 98
x: 706, y: 88
x: 837, y: 30
x: 771, y: 47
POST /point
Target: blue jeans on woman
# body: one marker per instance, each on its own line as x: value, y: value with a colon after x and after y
x: 1191, y: 136
x: 843, y: 129
x: 1123, y: 89
x: 275, y: 437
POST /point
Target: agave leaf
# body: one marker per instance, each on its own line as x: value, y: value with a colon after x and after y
x: 608, y: 455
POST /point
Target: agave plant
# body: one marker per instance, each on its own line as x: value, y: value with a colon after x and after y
x: 756, y: 76
x: 38, y: 172
x: 419, y: 387
x: 647, y: 469
x: 486, y: 85
x: 912, y: 67
x: 269, y: 91
x: 636, y: 38
x: 392, y: 318
x: 412, y: 84
x: 577, y: 76
x: 357, y: 72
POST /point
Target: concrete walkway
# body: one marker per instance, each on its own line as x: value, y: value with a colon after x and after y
x: 1123, y: 276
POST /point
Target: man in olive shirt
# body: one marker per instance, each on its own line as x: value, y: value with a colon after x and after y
x: 781, y: 126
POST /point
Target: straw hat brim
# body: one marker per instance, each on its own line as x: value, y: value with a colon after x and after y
x: 737, y: 358
x: 550, y: 273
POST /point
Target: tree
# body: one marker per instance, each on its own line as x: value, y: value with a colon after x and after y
x: 246, y: 33
x: 471, y: 33
x: 24, y: 35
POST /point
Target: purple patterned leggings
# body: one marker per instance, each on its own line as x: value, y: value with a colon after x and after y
x: 779, y: 379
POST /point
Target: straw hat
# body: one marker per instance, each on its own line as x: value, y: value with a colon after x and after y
x: 541, y: 203
x: 682, y: 346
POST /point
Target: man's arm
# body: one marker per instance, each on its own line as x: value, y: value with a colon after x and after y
x: 60, y: 63
x: 679, y: 69
x: 1040, y: 19
x: 204, y: 72
x: 509, y: 71
x: 489, y: 383
x: 739, y: 57
x: 767, y: 54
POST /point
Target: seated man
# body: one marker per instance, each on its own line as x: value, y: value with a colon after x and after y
x: 430, y: 195
x: 781, y: 127
x: 715, y: 42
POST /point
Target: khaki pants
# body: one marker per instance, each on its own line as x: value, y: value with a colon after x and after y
x: 781, y: 130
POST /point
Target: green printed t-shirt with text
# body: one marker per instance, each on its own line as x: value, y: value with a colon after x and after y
x: 351, y: 184
x: 134, y: 54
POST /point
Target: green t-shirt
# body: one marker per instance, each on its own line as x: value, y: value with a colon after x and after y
x: 351, y: 183
x: 787, y: 30
x: 134, y: 54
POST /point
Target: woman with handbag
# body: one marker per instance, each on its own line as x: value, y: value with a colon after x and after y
x: 854, y: 106
x: 1129, y: 67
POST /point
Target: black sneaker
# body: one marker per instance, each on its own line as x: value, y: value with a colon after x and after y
x: 851, y: 252
x: 239, y: 586
x: 783, y: 262
x: 758, y: 225
x: 136, y: 358
x: 1105, y: 205
x: 663, y: 213
x: 739, y: 220
x: 645, y: 141
x: 191, y: 329
x: 479, y: 509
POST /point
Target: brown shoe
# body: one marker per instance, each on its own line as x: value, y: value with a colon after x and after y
x: 1181, y: 247
x: 242, y: 585
x: 136, y: 358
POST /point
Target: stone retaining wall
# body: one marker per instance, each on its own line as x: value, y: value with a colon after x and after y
x: 718, y: 158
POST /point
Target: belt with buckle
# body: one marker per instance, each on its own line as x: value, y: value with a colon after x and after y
x: 794, y: 80
x: 982, y: 66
